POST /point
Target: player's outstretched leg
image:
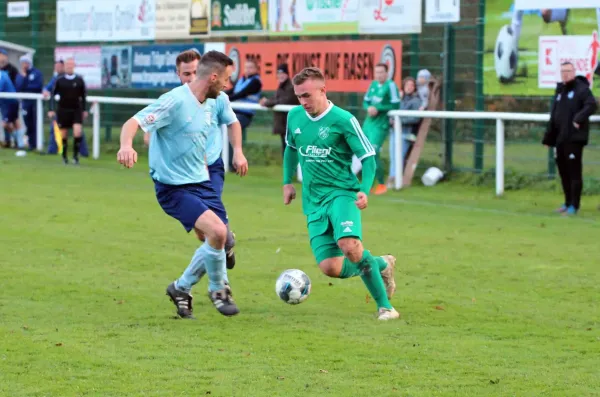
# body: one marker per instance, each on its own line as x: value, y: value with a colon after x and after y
x: 360, y: 262
x: 216, y: 234
x: 209, y: 259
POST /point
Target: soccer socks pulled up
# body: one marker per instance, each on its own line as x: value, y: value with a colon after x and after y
x: 76, y: 147
x: 371, y: 276
x: 379, y: 173
x: 193, y: 272
x: 351, y: 269
x: 65, y: 145
x: 215, y: 268
x: 197, y: 269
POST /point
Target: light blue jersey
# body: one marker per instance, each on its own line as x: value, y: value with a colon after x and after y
x: 179, y: 126
x: 222, y: 114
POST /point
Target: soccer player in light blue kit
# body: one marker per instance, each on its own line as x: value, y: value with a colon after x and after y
x: 179, y: 123
x: 186, y: 66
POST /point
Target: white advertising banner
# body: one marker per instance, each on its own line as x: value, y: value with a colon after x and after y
x: 442, y: 11
x: 552, y: 4
x: 106, y: 20
x: 389, y: 17
x: 581, y: 51
x: 88, y: 61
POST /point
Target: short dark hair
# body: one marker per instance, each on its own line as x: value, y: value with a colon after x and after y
x: 382, y: 65
x: 187, y: 57
x: 305, y: 74
x: 213, y: 61
x: 60, y: 61
x: 567, y: 63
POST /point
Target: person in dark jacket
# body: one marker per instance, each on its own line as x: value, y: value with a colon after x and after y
x: 29, y: 80
x: 7, y: 66
x: 284, y: 95
x: 568, y: 132
x: 247, y: 89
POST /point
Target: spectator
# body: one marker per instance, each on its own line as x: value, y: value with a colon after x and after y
x: 381, y: 97
x: 59, y: 68
x: 423, y: 78
x: 10, y: 112
x: 29, y: 80
x: 410, y: 101
x: 283, y: 96
x: 568, y: 131
x: 7, y: 66
x: 72, y: 107
x: 246, y: 90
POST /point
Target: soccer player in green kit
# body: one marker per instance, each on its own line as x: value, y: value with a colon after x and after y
x: 381, y: 97
x: 323, y: 138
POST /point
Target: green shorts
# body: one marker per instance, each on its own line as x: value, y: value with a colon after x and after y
x: 337, y: 219
x: 376, y: 132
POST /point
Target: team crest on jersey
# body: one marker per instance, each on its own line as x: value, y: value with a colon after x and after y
x: 149, y: 119
x: 323, y: 132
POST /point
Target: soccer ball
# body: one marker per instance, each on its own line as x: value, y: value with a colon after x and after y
x: 506, y: 54
x: 293, y: 286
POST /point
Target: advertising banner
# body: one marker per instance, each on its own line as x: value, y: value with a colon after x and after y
x: 87, y: 63
x: 581, y: 51
x: 153, y: 66
x: 106, y: 20
x: 389, y: 17
x: 442, y: 11
x: 554, y: 4
x: 313, y: 17
x: 348, y: 65
x: 238, y: 16
x: 116, y: 66
x: 512, y: 37
x: 182, y: 19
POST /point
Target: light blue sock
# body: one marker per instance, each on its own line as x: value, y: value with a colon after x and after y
x: 194, y: 271
x: 215, y: 267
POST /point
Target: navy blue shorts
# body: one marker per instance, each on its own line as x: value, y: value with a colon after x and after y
x: 187, y: 202
x: 217, y: 175
x: 10, y: 112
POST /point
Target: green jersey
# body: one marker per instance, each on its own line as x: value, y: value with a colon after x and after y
x: 325, y: 145
x: 384, y: 97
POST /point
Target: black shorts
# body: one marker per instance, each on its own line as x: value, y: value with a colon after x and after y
x: 65, y: 118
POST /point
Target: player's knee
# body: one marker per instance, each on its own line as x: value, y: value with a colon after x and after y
x: 352, y: 248
x: 218, y: 234
x: 331, y: 267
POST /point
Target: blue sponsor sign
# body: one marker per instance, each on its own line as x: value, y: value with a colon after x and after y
x: 153, y: 66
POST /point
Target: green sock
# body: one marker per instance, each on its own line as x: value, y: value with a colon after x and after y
x: 379, y: 173
x: 350, y: 269
x: 381, y: 263
x: 372, y: 279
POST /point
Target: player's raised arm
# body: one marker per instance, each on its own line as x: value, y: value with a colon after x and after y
x: 290, y: 164
x: 234, y: 130
x: 150, y: 119
x: 127, y: 155
x: 362, y: 148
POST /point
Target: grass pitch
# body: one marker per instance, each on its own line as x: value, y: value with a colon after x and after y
x: 498, y: 297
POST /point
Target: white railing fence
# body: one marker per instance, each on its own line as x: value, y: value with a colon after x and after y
x: 499, y: 117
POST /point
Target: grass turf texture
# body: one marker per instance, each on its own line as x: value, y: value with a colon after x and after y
x: 581, y: 22
x: 498, y: 296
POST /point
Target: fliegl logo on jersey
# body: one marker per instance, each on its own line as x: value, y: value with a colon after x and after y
x: 315, y: 154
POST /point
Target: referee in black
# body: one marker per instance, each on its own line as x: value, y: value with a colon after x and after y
x: 69, y: 91
x: 568, y: 132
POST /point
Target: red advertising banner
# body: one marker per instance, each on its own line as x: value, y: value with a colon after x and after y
x: 348, y: 65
